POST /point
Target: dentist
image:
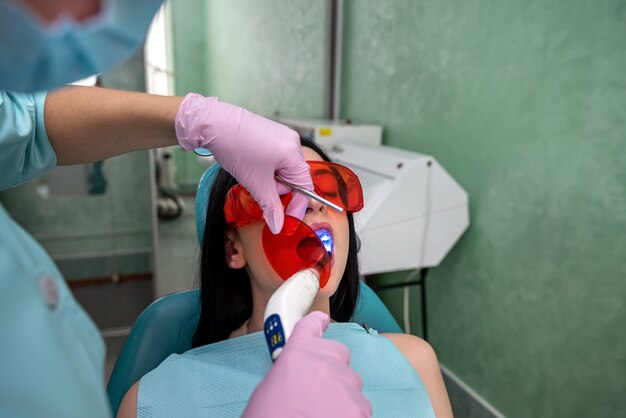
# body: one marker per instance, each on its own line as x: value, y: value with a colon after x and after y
x: 52, y: 356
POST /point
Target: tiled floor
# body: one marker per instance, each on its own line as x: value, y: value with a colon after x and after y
x: 114, y: 346
x: 463, y: 404
x: 178, y: 252
x: 114, y: 307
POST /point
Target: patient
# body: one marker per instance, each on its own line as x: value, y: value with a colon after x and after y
x: 400, y: 372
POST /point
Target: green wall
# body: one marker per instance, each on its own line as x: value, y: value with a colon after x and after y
x: 266, y: 56
x: 189, y: 45
x: 524, y: 103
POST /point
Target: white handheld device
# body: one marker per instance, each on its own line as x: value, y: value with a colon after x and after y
x: 289, y: 303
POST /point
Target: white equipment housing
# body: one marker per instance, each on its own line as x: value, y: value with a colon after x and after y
x: 328, y: 133
x: 414, y: 211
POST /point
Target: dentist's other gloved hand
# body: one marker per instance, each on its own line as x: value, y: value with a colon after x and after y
x: 311, y: 378
x: 251, y: 148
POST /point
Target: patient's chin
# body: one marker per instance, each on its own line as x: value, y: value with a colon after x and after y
x: 330, y: 288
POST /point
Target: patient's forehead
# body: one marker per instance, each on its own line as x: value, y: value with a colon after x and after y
x: 311, y: 155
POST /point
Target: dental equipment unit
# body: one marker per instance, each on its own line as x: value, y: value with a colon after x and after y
x: 415, y: 211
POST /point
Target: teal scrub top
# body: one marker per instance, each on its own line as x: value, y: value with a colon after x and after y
x: 51, y: 353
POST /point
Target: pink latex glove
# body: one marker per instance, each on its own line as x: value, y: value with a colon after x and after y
x: 311, y: 378
x: 251, y: 148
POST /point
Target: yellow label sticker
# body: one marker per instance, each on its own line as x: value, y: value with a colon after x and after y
x: 326, y: 131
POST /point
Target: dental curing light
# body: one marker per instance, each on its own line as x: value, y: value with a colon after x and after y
x: 327, y: 239
x: 289, y: 303
x: 292, y: 300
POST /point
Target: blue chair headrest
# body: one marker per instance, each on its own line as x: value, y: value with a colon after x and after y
x: 202, y: 197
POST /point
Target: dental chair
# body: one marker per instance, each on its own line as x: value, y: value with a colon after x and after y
x: 168, y: 324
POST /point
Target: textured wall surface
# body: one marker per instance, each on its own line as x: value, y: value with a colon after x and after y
x: 189, y: 45
x: 524, y: 103
x: 266, y: 56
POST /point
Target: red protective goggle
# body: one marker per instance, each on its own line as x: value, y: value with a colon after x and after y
x: 297, y: 246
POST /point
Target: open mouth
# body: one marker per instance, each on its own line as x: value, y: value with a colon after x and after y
x: 324, y: 232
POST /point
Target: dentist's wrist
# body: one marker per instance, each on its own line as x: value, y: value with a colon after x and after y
x: 194, y: 122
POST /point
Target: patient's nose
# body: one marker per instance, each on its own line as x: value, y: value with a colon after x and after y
x: 314, y: 207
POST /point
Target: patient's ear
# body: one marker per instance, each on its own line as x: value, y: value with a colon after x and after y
x: 234, y: 250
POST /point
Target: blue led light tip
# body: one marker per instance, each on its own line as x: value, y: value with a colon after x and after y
x: 327, y: 239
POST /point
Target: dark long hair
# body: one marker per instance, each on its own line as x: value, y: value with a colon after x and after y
x: 225, y: 293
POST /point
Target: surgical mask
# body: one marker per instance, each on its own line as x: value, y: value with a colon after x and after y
x: 34, y: 56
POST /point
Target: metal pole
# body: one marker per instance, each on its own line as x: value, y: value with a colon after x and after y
x: 335, y: 51
x: 424, y: 310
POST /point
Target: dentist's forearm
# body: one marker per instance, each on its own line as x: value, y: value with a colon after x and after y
x: 88, y: 124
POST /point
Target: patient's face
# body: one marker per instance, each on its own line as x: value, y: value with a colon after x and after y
x: 317, y: 216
